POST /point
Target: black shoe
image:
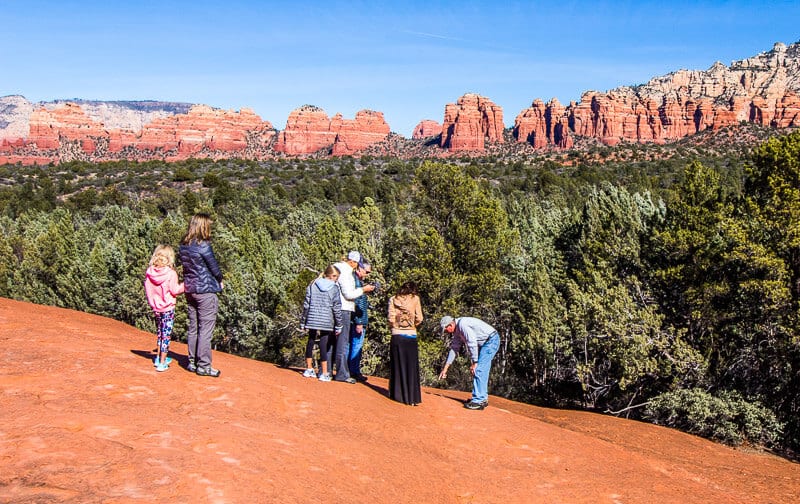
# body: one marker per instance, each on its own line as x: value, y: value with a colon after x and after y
x: 361, y: 378
x: 485, y: 403
x: 476, y: 405
x: 207, y: 371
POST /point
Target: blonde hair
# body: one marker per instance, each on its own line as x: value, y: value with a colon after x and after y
x: 199, y: 229
x: 163, y: 255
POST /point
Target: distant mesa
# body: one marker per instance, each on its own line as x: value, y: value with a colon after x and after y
x: 763, y: 89
x: 101, y: 131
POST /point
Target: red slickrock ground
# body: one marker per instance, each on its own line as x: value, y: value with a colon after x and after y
x: 85, y: 418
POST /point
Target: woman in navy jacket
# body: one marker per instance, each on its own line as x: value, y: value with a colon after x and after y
x: 202, y: 279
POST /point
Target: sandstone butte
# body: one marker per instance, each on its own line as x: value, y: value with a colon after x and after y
x: 308, y: 130
x: 471, y: 122
x: 763, y: 90
x: 425, y: 129
x: 85, y: 418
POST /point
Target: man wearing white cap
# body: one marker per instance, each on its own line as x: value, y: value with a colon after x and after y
x: 349, y: 292
x: 482, y: 342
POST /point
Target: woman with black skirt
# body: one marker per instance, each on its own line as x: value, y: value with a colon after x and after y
x: 405, y: 314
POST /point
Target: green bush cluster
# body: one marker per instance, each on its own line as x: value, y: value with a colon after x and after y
x: 727, y: 418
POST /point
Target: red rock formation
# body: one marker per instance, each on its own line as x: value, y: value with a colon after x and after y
x: 542, y: 124
x: 763, y: 90
x: 48, y: 127
x: 788, y: 114
x: 308, y: 130
x: 470, y: 123
x: 531, y: 125
x: 369, y: 127
x: 177, y: 136
x: 426, y: 128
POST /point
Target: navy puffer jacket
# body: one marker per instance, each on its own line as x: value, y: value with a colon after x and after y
x: 201, y: 273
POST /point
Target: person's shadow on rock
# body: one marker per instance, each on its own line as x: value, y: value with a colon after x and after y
x: 181, y: 359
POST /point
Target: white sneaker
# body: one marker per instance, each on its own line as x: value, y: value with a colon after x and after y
x: 310, y: 373
x: 324, y: 377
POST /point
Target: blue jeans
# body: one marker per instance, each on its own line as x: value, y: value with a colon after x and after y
x: 356, y: 344
x: 480, y: 382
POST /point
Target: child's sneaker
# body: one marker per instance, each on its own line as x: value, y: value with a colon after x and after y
x: 162, y: 367
x: 310, y: 373
x: 167, y: 361
x: 324, y: 377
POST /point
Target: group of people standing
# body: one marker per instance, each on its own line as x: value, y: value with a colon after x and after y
x: 335, y: 314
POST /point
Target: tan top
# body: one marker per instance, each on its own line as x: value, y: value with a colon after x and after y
x: 405, y: 314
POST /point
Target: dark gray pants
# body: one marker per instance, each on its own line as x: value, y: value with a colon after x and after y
x: 340, y: 354
x: 202, y: 318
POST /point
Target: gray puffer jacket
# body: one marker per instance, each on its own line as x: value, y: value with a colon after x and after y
x: 322, y: 307
x: 201, y: 273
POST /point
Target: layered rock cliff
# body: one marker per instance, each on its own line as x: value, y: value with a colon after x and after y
x: 96, y: 131
x: 763, y: 89
x: 309, y: 130
x: 471, y: 122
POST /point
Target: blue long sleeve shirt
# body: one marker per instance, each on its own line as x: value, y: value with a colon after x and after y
x: 473, y: 333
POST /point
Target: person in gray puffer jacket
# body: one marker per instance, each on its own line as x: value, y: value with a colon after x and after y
x: 322, y: 317
x: 202, y: 279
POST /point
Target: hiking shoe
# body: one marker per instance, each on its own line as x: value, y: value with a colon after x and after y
x: 485, y: 403
x: 350, y: 380
x: 207, y: 371
x: 324, y: 377
x: 191, y: 367
x: 476, y: 405
x: 161, y: 367
x: 309, y: 373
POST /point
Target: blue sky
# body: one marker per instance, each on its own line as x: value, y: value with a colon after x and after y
x: 407, y: 59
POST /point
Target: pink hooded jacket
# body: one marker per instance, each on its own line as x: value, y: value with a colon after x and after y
x: 161, y: 286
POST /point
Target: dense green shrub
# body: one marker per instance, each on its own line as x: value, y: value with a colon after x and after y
x: 726, y: 417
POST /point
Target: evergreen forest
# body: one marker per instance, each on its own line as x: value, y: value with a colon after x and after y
x: 652, y: 282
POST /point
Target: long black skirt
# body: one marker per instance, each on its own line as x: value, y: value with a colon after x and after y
x: 404, y: 370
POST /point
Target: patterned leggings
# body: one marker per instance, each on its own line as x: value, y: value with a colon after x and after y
x: 164, y: 321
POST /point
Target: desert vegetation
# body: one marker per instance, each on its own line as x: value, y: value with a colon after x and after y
x: 656, y: 282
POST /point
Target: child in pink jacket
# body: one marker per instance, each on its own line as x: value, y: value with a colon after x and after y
x: 161, y: 287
